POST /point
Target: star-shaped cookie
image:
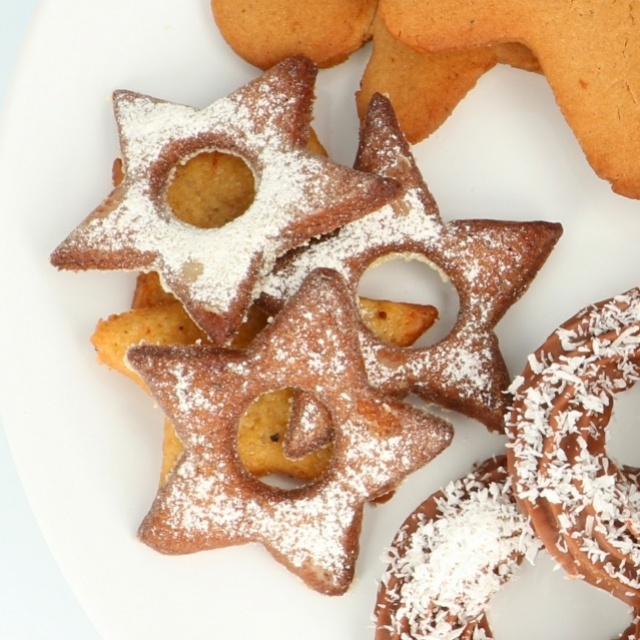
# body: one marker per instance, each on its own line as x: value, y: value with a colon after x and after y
x: 490, y: 264
x: 299, y: 194
x: 210, y: 500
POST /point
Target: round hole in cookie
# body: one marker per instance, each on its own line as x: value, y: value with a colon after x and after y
x: 623, y: 435
x: 542, y: 602
x: 210, y: 189
x: 260, y: 439
x: 407, y: 278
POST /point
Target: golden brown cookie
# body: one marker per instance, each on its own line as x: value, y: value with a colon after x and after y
x: 167, y: 323
x: 584, y: 506
x: 214, y: 271
x: 264, y: 32
x: 589, y: 52
x: 490, y: 263
x: 211, y: 501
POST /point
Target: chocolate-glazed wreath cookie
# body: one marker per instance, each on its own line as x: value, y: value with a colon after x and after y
x: 584, y: 506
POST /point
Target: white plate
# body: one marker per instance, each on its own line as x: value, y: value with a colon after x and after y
x: 87, y: 444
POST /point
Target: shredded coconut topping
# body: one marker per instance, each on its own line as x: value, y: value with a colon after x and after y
x: 562, y: 405
x: 451, y: 556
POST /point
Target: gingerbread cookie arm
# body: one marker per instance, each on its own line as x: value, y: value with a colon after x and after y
x: 424, y: 88
x: 588, y: 51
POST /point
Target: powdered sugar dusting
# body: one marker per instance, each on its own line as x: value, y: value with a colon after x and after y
x: 489, y: 263
x: 299, y: 194
x: 377, y: 231
x: 210, y: 500
x: 146, y: 223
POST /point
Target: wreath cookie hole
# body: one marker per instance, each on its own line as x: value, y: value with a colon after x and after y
x: 623, y: 432
x: 566, y: 608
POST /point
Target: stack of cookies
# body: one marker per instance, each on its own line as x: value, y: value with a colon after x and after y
x: 256, y: 313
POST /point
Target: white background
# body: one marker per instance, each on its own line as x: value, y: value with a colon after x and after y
x: 35, y: 601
